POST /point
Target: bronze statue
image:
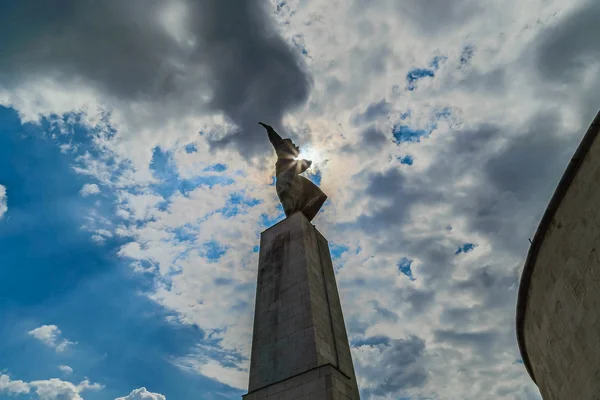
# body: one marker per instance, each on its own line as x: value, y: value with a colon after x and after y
x: 295, y: 192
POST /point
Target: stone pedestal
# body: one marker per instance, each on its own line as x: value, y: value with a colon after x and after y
x: 300, y: 347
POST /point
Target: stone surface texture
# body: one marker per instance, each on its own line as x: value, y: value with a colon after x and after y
x: 300, y: 348
x: 561, y: 324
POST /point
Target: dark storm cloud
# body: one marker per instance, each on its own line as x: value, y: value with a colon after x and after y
x: 532, y: 161
x: 457, y: 316
x: 566, y: 49
x: 470, y: 141
x: 494, y: 82
x: 515, y: 178
x: 399, y: 195
x: 484, y: 342
x: 491, y: 287
x: 412, y: 301
x: 420, y: 300
x: 563, y: 54
x: 257, y: 73
x: 373, y: 112
x: 389, y: 185
x: 514, y: 181
x: 384, y: 313
x: 229, y: 48
x: 401, y: 367
x: 334, y: 87
x: 519, y: 181
x: 464, y: 339
x: 372, y: 140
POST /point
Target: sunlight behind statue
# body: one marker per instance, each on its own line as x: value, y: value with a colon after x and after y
x: 295, y: 192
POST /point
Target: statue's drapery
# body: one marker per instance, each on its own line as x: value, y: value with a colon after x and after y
x: 295, y: 192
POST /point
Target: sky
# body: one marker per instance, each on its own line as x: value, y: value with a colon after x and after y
x: 135, y: 182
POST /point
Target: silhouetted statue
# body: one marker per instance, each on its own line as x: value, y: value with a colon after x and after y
x: 295, y: 192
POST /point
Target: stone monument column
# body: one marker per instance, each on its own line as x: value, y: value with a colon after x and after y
x: 300, y: 347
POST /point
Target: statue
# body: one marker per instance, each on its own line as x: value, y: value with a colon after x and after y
x: 295, y: 192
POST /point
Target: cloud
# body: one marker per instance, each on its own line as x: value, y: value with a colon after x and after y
x: 400, y: 366
x: 578, y: 65
x: 142, y: 394
x: 565, y: 50
x: 89, y: 189
x: 3, y: 205
x: 65, y: 369
x: 447, y: 15
x: 56, y: 389
x: 391, y: 194
x: 12, y: 387
x: 529, y: 152
x: 181, y: 59
x: 373, y: 112
x: 50, y: 389
x: 50, y: 336
x: 231, y: 376
x: 433, y: 19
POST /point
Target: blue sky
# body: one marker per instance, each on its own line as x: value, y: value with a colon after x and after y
x: 135, y: 182
x: 54, y: 274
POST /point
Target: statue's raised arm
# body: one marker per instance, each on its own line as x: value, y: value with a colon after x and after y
x: 274, y: 138
x: 295, y: 192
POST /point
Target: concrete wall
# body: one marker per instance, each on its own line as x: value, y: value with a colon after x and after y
x: 558, y: 318
x: 321, y: 383
x: 298, y: 322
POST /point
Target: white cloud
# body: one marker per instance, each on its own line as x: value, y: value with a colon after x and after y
x: 57, y: 389
x: 212, y: 367
x: 50, y: 336
x: 3, y: 200
x: 50, y: 389
x: 98, y: 239
x: 65, y: 369
x: 89, y: 189
x: 12, y: 387
x: 142, y: 394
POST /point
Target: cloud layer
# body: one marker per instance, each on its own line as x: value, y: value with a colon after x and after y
x: 3, y: 201
x: 50, y: 335
x: 438, y: 151
x: 51, y: 389
x: 170, y: 59
x: 142, y: 394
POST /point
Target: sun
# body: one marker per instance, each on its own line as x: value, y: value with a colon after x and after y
x: 310, y: 153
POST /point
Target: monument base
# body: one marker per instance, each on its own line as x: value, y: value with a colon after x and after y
x: 300, y: 348
x: 322, y: 383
